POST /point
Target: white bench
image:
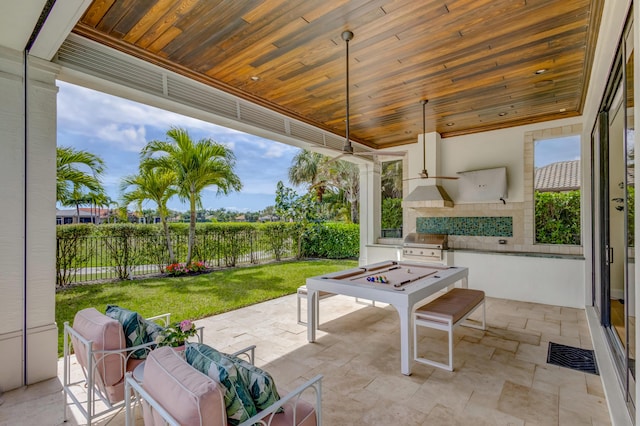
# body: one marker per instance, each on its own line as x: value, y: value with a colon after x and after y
x: 445, y: 313
x: 303, y: 294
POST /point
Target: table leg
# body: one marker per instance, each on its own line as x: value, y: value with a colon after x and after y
x: 464, y: 282
x: 311, y: 314
x: 406, y: 336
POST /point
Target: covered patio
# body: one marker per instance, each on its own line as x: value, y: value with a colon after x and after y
x: 501, y: 375
x: 499, y: 75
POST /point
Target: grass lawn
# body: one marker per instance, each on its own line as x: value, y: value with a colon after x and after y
x: 194, y: 297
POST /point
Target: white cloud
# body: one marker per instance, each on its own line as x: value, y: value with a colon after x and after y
x: 116, y: 129
x: 127, y: 138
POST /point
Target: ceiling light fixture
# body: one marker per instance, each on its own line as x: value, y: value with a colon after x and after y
x: 450, y: 124
x: 541, y: 71
x: 502, y: 114
x: 255, y: 78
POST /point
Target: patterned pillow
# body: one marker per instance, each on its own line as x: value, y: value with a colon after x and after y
x: 133, y: 326
x: 238, y: 402
x: 151, y: 330
x: 260, y: 384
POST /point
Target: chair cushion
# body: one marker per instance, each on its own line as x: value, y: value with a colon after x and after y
x: 261, y: 386
x: 238, y: 402
x: 304, y: 412
x: 106, y: 334
x: 192, y: 398
x: 134, y: 327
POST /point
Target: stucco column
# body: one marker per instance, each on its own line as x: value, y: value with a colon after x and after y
x: 27, y: 249
x: 370, y: 207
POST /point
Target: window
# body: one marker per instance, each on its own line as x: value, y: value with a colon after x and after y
x: 557, y: 190
x: 391, y: 185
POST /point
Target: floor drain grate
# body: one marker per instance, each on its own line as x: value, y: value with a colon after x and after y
x: 570, y: 357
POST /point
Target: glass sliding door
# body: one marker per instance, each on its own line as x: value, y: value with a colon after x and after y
x: 613, y: 194
x: 629, y: 169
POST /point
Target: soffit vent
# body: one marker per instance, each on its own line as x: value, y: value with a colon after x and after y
x: 306, y: 133
x: 95, y: 62
x: 262, y: 118
x: 190, y: 94
x: 333, y: 141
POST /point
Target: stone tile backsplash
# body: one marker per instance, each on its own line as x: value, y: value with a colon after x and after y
x: 484, y: 226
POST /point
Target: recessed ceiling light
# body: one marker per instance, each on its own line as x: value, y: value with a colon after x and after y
x: 541, y: 71
x: 450, y: 124
x: 563, y: 109
x: 502, y: 114
x: 255, y: 78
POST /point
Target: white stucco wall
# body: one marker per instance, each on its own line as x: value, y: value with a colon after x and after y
x: 552, y: 281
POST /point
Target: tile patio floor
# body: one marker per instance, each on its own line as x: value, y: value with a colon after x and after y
x: 501, y: 376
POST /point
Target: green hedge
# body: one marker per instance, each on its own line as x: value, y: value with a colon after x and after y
x: 332, y: 241
x: 557, y: 217
x: 95, y: 250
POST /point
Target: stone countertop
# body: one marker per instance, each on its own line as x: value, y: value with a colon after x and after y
x: 519, y: 253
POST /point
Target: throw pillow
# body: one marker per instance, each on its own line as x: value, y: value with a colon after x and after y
x: 260, y: 384
x: 152, y: 330
x: 133, y: 326
x: 238, y: 402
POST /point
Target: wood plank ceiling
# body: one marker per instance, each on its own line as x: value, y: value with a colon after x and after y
x: 482, y: 64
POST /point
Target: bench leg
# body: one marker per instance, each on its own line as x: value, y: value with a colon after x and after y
x: 300, y: 296
x: 443, y: 326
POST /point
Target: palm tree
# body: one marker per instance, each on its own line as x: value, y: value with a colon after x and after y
x: 391, y: 179
x: 197, y: 165
x: 156, y: 185
x: 309, y: 167
x: 70, y: 175
x: 345, y: 177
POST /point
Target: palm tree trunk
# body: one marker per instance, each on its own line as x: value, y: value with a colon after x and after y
x: 192, y: 226
x: 165, y: 226
x: 354, y: 211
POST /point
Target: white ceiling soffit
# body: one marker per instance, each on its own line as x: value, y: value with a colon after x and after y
x: 17, y: 20
x: 62, y: 18
x: 88, y: 57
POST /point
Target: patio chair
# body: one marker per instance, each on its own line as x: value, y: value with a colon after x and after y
x: 175, y: 393
x: 100, y: 347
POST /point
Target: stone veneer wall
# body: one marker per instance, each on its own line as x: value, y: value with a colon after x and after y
x: 521, y: 213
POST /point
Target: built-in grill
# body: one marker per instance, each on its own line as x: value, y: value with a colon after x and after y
x: 425, y: 247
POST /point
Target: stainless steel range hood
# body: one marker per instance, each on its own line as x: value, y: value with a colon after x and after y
x: 428, y: 193
x: 425, y: 196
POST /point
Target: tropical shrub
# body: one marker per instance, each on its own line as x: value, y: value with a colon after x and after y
x: 72, y: 251
x: 124, y: 245
x: 332, y: 240
x: 557, y: 217
x: 391, y: 213
x: 278, y: 236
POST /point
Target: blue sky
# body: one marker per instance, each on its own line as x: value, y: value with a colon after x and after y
x: 548, y: 151
x: 116, y: 129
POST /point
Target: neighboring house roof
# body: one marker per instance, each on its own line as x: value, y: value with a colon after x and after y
x: 560, y: 176
x: 72, y: 212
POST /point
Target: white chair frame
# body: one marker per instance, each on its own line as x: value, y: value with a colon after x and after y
x: 95, y: 389
x: 134, y: 393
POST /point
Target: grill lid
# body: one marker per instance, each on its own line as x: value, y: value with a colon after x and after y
x: 423, y: 240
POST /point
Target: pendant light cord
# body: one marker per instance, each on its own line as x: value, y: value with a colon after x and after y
x: 347, y: 36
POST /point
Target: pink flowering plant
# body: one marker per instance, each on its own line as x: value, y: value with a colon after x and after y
x: 177, y: 333
x: 183, y: 269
